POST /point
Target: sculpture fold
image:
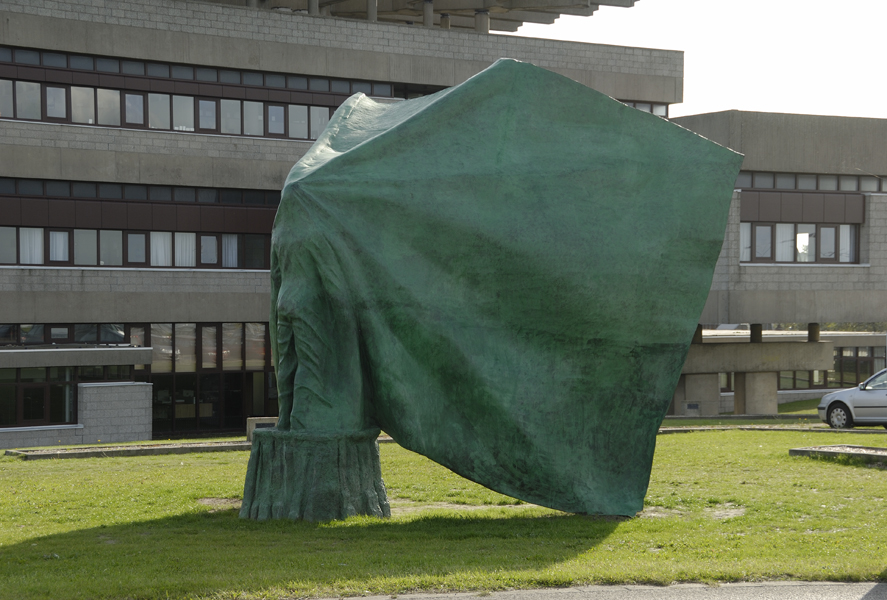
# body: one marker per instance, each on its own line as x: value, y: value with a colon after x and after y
x: 504, y: 276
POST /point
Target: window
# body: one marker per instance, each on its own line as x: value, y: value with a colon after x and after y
x: 276, y: 120
x: 207, y: 114
x: 161, y: 249
x: 108, y: 103
x: 230, y: 111
x: 298, y: 121
x: 253, y: 118
x: 30, y: 245
x: 85, y: 247
x: 6, y: 99
x: 158, y: 111
x: 7, y: 246
x: 320, y: 116
x: 27, y: 100
x: 83, y: 105
x: 185, y: 249
x: 135, y: 109
x: 135, y: 248
x: 801, y: 243
x: 183, y: 113
x: 56, y: 103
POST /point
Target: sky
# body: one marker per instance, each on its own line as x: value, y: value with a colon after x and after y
x: 789, y: 56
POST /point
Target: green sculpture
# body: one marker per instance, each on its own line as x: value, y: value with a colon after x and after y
x: 504, y: 276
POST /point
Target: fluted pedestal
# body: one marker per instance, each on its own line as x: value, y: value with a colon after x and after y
x: 314, y: 477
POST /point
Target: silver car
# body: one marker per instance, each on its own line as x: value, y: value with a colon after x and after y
x: 865, y: 404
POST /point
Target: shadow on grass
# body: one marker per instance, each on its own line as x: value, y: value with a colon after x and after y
x: 217, y: 554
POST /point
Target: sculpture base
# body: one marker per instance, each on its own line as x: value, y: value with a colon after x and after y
x: 314, y: 477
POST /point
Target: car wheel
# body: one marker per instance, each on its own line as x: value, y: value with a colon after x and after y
x: 839, y: 417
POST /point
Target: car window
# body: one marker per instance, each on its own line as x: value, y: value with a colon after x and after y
x: 878, y: 382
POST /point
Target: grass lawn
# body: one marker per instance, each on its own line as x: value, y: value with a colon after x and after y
x: 722, y: 506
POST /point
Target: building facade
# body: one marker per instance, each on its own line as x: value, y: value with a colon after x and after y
x: 143, y: 146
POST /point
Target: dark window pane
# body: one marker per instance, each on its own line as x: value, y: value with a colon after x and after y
x: 33, y: 374
x: 33, y: 403
x: 161, y: 193
x: 85, y: 332
x: 180, y: 72
x: 315, y: 84
x: 133, y: 67
x: 61, y: 373
x: 186, y: 194
x: 5, y: 55
x: 231, y: 197
x: 30, y: 187
x: 209, y: 254
x: 205, y: 74
x: 8, y: 335
x: 162, y: 405
x: 119, y: 373
x: 7, y: 399
x: 27, y: 57
x: 233, y: 386
x: 111, y: 244
x: 81, y: 62
x: 381, y: 89
x: 278, y: 81
x: 362, y: 86
x: 83, y: 190
x: 91, y: 373
x: 31, y: 334
x: 340, y: 86
x: 135, y: 192
x: 254, y: 251
x: 111, y: 333
x: 294, y: 82
x: 58, y: 189
x: 272, y: 198
x: 253, y: 197
x: 108, y: 65
x: 207, y: 195
x: 51, y: 59
x: 61, y: 403
x: 158, y: 70
x: 110, y: 191
x: 253, y: 79
x: 226, y: 76
x: 7, y: 186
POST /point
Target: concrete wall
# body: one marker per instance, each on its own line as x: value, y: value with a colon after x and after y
x: 84, y: 153
x: 244, y: 38
x: 98, y: 295
x: 17, y: 357
x: 797, y: 293
x: 106, y: 412
x: 797, y: 143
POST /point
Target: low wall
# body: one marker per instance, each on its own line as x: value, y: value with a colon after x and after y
x: 106, y: 412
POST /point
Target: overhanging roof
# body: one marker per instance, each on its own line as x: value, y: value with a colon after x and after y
x: 505, y: 15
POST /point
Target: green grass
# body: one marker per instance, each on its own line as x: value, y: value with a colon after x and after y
x: 799, y: 406
x: 727, y: 506
x: 731, y: 422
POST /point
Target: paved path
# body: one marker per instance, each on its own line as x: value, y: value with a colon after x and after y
x: 691, y: 591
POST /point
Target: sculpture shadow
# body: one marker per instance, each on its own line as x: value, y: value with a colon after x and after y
x: 216, y: 553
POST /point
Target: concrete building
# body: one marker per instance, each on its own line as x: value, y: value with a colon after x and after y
x: 143, y: 144
x: 805, y: 245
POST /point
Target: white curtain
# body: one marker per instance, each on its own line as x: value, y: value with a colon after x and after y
x: 785, y: 242
x: 745, y: 242
x: 186, y: 249
x: 229, y: 250
x: 31, y: 245
x: 161, y: 249
x: 58, y: 245
x: 848, y: 243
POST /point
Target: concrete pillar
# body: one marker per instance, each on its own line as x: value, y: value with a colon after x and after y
x: 755, y: 393
x: 757, y: 333
x: 678, y: 404
x: 444, y: 21
x: 482, y: 21
x: 314, y: 7
x: 812, y: 332
x: 702, y: 394
x: 372, y: 11
x: 697, y: 335
x: 428, y: 13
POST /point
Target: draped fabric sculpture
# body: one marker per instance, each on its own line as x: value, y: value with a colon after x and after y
x: 504, y: 276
